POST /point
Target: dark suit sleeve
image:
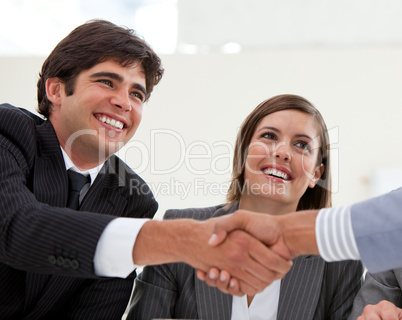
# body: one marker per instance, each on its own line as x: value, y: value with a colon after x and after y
x: 377, y: 287
x: 29, y: 239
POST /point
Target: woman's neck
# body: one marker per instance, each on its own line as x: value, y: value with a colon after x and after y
x: 266, y: 206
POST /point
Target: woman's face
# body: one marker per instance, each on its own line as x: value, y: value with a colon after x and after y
x: 282, y: 158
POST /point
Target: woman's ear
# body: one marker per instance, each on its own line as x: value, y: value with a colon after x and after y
x: 54, y: 91
x: 318, y: 171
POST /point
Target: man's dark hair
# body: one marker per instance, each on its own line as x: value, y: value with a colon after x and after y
x: 89, y: 44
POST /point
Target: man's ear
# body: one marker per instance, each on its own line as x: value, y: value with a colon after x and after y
x: 318, y: 171
x: 54, y: 91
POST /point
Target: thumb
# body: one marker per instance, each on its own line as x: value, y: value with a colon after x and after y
x: 217, y: 237
x: 223, y: 226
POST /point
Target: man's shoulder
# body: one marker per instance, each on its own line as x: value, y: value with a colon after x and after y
x: 9, y: 111
x: 193, y: 213
x: 17, y: 120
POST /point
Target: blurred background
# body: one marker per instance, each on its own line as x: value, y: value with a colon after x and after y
x: 222, y: 58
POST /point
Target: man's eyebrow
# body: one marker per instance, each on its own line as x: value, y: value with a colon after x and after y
x: 111, y: 75
x: 117, y: 77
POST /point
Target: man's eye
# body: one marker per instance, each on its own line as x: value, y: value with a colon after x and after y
x: 107, y: 82
x: 138, y: 95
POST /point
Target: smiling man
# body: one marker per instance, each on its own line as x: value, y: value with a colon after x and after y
x: 69, y: 251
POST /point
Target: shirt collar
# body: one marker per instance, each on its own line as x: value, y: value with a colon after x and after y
x: 93, y: 172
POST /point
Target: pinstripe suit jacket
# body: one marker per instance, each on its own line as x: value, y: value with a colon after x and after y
x: 47, y: 250
x: 313, y: 289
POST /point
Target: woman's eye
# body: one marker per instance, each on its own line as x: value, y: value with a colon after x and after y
x: 269, y: 135
x: 303, y: 145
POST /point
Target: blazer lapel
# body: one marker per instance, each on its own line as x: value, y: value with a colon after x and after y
x: 104, y: 196
x: 49, y: 167
x: 300, y: 288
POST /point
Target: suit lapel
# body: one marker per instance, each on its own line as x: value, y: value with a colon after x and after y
x: 104, y: 196
x: 300, y: 288
x: 50, y: 167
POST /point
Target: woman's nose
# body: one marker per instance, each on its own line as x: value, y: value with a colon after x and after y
x: 281, y: 151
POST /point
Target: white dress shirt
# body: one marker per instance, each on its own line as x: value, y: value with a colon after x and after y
x: 263, y: 307
x: 114, y: 252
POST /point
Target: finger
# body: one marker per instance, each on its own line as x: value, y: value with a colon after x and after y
x: 234, y: 288
x: 223, y: 281
x: 201, y: 275
x: 269, y: 260
x: 246, y: 288
x: 259, y: 265
x: 211, y: 279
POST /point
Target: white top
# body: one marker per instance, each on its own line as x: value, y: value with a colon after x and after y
x: 263, y: 307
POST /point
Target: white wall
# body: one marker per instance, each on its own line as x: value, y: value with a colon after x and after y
x: 203, y: 99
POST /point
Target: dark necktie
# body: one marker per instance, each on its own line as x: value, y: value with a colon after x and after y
x: 76, y: 182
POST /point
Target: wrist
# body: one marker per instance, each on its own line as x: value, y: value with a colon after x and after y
x: 299, y: 232
x: 167, y: 241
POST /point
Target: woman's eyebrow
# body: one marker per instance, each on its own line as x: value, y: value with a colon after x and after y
x: 300, y: 135
x: 269, y: 128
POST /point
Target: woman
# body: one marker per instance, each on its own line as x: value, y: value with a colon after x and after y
x: 281, y: 164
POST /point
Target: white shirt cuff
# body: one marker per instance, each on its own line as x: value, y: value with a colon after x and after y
x: 114, y: 252
x: 334, y: 234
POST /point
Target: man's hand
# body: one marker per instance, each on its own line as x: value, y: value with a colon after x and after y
x: 252, y: 263
x: 264, y: 227
x: 288, y: 235
x: 383, y: 310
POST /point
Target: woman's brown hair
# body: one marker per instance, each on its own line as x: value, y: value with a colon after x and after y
x: 314, y: 198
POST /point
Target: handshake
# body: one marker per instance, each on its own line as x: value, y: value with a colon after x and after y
x: 240, y: 253
x: 258, y: 247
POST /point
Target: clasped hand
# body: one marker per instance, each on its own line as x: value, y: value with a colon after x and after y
x: 256, y: 249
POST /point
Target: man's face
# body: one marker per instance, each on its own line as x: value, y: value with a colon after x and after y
x: 101, y: 115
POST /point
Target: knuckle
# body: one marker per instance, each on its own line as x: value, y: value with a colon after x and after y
x: 368, y: 308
